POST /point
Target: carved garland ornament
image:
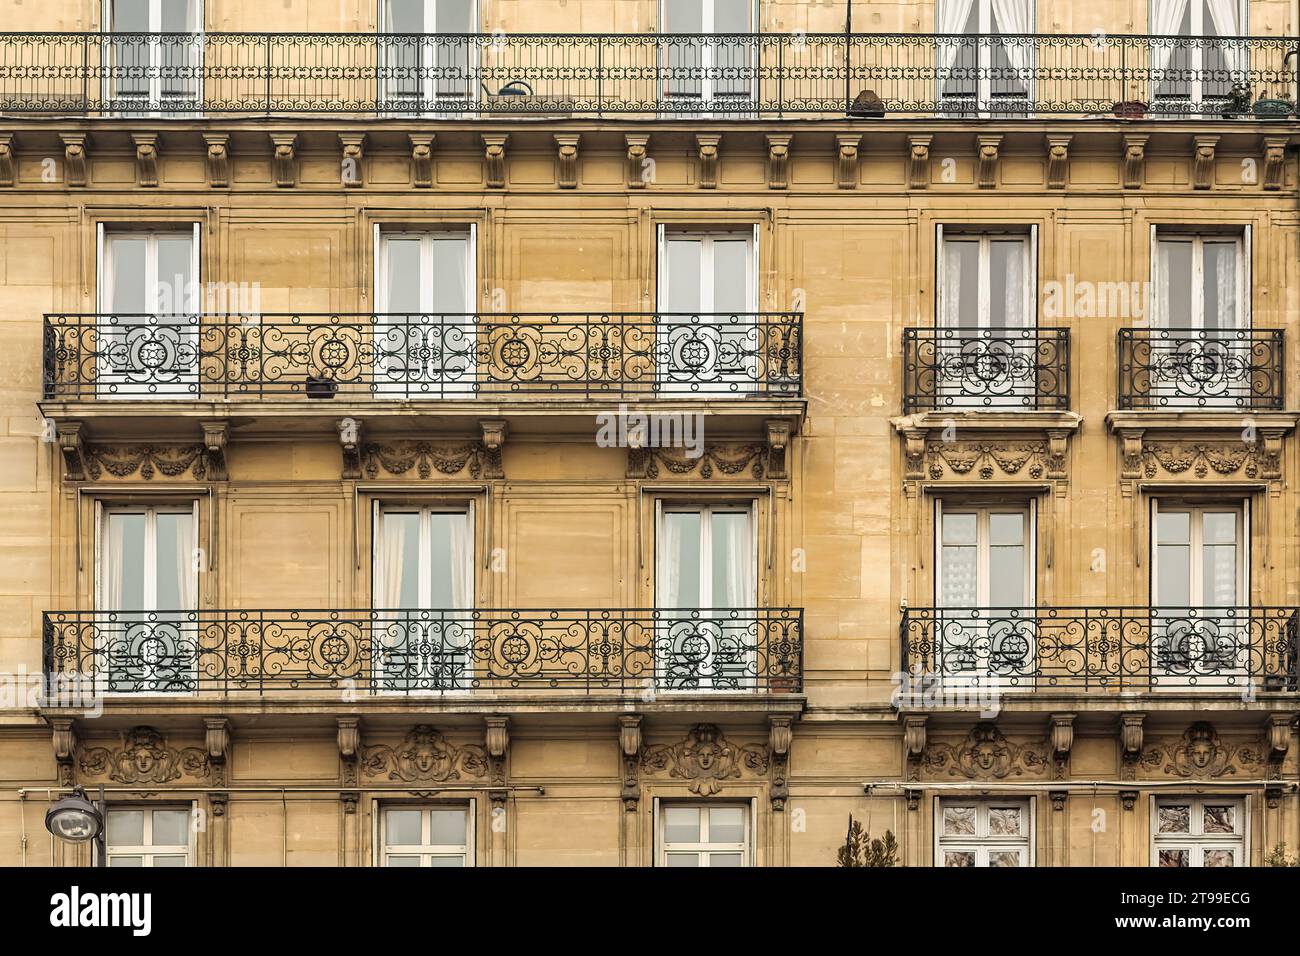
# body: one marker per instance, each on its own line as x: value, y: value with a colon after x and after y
x: 398, y: 458
x: 985, y: 753
x: 144, y: 757
x: 425, y: 756
x: 704, y: 759
x: 171, y: 461
x: 728, y: 460
x: 1200, y: 753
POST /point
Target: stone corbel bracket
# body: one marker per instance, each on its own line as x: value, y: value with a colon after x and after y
x: 1062, y: 737
x: 349, y: 741
x: 216, y: 435
x: 780, y: 731
x: 1275, y: 161
x: 1130, y: 744
x: 566, y: 145
x: 76, y: 146
x: 422, y: 159
x: 496, y: 739
x: 918, y: 161
x: 217, y: 739
x: 350, y: 442
x: 846, y: 160
x: 284, y: 166
x: 778, y: 160
x: 494, y: 437
x: 72, y: 444
x: 1058, y: 161
x: 914, y: 733
x: 629, y: 745
x: 708, y: 147
x: 64, y: 739
x: 987, y: 149
x: 354, y: 151
x: 1203, y: 162
x: 1135, y: 159
x: 7, y: 164
x: 778, y: 448
x: 639, y: 165
x: 146, y: 158
x: 494, y: 159
x: 218, y: 159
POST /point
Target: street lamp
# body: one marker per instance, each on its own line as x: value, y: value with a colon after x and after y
x: 74, y: 818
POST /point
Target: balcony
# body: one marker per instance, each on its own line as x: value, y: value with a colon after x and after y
x: 1104, y: 649
x: 1212, y: 369
x: 1000, y: 369
x: 251, y: 654
x: 366, y: 357
x: 645, y: 76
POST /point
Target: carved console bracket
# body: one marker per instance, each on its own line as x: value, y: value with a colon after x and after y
x: 217, y: 162
x: 146, y: 158
x: 422, y: 159
x: 918, y: 161
x: 494, y: 158
x: 780, y: 731
x: 1131, y: 738
x: 778, y: 160
x: 350, y: 442
x: 1062, y: 737
x: 986, y: 151
x: 639, y: 164
x: 71, y: 436
x: 1058, y: 161
x: 7, y: 164
x: 354, y: 151
x: 75, y: 149
x: 64, y: 739
x: 846, y: 160
x: 284, y: 167
x: 708, y: 146
x: 629, y: 745
x: 1135, y: 158
x: 566, y: 145
x: 1203, y: 162
x: 216, y: 434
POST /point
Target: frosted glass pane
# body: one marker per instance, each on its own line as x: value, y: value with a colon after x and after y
x: 683, y: 276
x: 730, y: 271
x: 404, y: 278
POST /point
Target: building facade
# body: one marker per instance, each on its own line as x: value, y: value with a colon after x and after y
x: 631, y: 433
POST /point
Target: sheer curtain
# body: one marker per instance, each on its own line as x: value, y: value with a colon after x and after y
x: 1166, y: 18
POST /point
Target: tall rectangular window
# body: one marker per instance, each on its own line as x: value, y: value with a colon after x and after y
x: 149, y: 836
x: 440, y: 835
x: 154, y: 56
x: 696, y: 834
x: 1199, y: 831
x: 423, y: 629
x: 425, y: 326
x: 996, y: 832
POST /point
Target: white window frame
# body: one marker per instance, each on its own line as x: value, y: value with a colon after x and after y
x: 704, y: 849
x: 426, y: 384
x: 113, y: 383
x: 429, y: 52
x: 426, y: 851
x: 1198, y: 843
x: 982, y: 843
x: 110, y: 95
x: 147, y: 851
x: 708, y: 92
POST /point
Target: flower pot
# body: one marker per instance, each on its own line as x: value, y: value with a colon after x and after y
x: 1130, y: 109
x: 1273, y: 109
x: 321, y: 387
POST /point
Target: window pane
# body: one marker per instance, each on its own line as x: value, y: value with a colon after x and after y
x: 682, y: 825
x: 125, y: 828
x: 402, y: 828
x: 684, y: 270
x: 726, y: 825
x: 1175, y: 819
x: 724, y: 859
x: 447, y: 827
x: 730, y: 274
x: 171, y: 827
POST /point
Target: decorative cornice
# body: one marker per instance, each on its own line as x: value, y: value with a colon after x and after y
x: 705, y: 759
x: 425, y: 756
x: 145, y: 757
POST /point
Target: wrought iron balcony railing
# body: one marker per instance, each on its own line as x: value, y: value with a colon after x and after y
x: 381, y: 356
x: 989, y: 368
x: 1229, y: 649
x: 1201, y: 368
x: 455, y: 75
x: 422, y: 652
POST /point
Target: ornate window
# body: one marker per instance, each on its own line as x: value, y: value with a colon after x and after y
x: 703, y: 834
x: 439, y: 835
x: 1198, y: 831
x: 992, y: 832
x: 150, y: 836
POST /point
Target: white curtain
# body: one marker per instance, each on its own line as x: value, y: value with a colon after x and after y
x: 1226, y: 17
x: 1166, y: 18
x: 1012, y: 18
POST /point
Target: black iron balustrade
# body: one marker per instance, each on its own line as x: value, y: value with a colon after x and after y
x: 427, y: 356
x: 989, y: 368
x: 405, y: 652
x: 1103, y: 649
x: 674, y: 75
x: 1201, y: 368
